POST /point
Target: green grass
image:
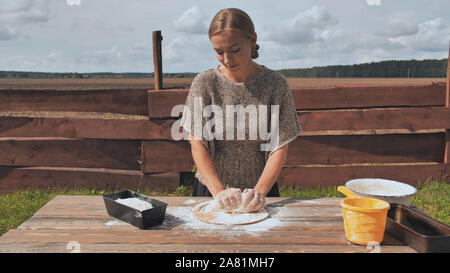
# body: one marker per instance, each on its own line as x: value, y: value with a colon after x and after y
x: 310, y: 193
x: 433, y: 197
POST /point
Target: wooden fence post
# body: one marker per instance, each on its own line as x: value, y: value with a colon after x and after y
x: 157, y: 59
x: 447, y: 104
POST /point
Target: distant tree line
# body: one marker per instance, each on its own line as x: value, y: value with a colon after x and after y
x: 383, y: 69
x: 75, y: 75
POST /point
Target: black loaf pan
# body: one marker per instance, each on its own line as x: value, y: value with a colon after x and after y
x: 417, y: 230
x: 141, y: 219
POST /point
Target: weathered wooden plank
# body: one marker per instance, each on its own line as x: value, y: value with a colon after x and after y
x: 314, y: 176
x: 395, y: 148
x: 162, y: 102
x: 126, y: 101
x: 81, y: 206
x: 182, y: 237
x: 207, y: 248
x: 93, y: 222
x: 406, y: 119
x: 189, y: 201
x: 58, y: 152
x: 306, y: 212
x: 85, y: 128
x: 335, y: 122
x: 359, y: 96
x: 186, y: 237
x: 100, y: 222
x: 327, y: 150
x: 14, y: 179
x: 289, y: 218
x: 166, y: 155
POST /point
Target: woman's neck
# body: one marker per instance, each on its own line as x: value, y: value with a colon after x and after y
x: 242, y: 75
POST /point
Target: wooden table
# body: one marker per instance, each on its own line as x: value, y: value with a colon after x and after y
x: 71, y: 223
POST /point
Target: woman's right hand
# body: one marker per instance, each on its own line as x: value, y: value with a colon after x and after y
x: 229, y: 199
x: 253, y: 200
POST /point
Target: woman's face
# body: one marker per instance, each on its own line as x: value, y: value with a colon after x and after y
x: 233, y: 50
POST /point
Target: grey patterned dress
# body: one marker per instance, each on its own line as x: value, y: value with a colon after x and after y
x: 240, y: 161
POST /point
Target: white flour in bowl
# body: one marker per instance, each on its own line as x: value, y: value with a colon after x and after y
x: 380, y: 187
x: 135, y: 203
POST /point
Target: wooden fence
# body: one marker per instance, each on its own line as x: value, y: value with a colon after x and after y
x: 398, y: 132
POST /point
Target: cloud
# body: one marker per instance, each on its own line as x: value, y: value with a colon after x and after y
x: 105, y: 35
x: 187, y: 53
x: 7, y: 33
x: 15, y: 6
x: 141, y: 48
x: 172, y: 51
x: 306, y: 27
x: 48, y: 61
x: 15, y: 14
x: 315, y: 17
x: 398, y: 28
x: 192, y: 21
x: 433, y: 36
x: 141, y: 52
x: 373, y: 2
x: 54, y: 57
x: 345, y: 45
x: 24, y: 12
x: 103, y: 56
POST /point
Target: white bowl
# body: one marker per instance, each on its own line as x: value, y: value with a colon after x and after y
x: 383, y: 189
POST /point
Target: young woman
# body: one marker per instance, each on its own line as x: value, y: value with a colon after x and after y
x: 227, y: 166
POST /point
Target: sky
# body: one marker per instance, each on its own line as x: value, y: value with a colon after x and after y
x: 116, y: 35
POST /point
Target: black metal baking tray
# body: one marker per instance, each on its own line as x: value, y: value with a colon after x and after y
x: 141, y: 219
x: 417, y: 230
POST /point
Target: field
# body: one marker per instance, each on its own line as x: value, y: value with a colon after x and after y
x: 140, y: 83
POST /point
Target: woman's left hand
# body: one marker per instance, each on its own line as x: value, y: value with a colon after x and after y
x: 253, y: 200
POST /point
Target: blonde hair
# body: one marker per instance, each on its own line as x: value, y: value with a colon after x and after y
x: 233, y: 19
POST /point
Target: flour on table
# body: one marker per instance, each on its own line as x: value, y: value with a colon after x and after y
x: 226, y: 218
x: 116, y: 223
x: 135, y: 203
x: 183, y: 215
x: 208, y: 213
x: 190, y: 201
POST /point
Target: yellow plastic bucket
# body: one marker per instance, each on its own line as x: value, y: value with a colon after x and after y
x: 364, y: 219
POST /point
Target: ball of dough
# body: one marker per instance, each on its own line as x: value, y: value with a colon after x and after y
x: 213, y: 207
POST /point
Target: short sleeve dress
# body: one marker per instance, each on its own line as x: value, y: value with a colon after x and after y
x: 239, y: 159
